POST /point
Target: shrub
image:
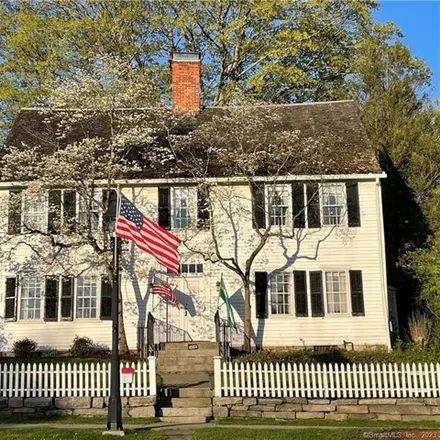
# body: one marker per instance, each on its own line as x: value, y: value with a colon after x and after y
x: 82, y: 346
x: 24, y: 348
x: 419, y: 328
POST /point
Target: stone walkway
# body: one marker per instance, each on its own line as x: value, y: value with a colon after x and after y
x: 189, y: 380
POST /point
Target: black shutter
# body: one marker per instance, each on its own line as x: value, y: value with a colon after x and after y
x: 106, y: 300
x: 69, y: 207
x: 54, y: 215
x: 202, y: 207
x: 300, y: 284
x: 357, y: 293
x: 67, y: 290
x: 316, y: 293
x: 298, y: 209
x: 165, y: 208
x: 258, y: 207
x: 11, y: 298
x: 51, y: 299
x: 354, y: 215
x: 14, y: 212
x: 313, y: 208
x: 261, y: 294
x: 109, y: 202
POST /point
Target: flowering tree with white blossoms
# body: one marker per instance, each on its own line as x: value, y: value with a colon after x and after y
x: 240, y: 158
x: 87, y: 140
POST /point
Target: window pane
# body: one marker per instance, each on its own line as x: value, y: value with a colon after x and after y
x: 333, y: 204
x: 31, y: 292
x: 181, y: 207
x: 88, y: 210
x: 279, y: 205
x: 336, y: 285
x: 34, y: 212
x: 86, y: 292
x: 280, y: 293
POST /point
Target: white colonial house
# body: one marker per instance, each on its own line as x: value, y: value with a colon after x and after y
x: 325, y: 286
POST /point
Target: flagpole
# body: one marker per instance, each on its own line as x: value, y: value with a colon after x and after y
x: 114, y: 405
x: 166, y: 318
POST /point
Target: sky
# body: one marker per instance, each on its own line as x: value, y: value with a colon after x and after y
x: 419, y: 20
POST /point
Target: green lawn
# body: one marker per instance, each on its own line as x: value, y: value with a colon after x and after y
x: 267, y: 434
x: 29, y: 418
x: 73, y: 434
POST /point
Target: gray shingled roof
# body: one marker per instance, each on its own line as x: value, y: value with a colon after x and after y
x: 337, y: 125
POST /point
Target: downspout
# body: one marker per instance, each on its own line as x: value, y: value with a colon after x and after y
x: 383, y: 260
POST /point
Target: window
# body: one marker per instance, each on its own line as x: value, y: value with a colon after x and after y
x: 31, y: 289
x: 336, y: 288
x: 333, y: 204
x: 34, y: 213
x: 189, y: 269
x: 280, y: 289
x: 86, y: 297
x: 89, y: 208
x: 182, y: 207
x: 279, y: 205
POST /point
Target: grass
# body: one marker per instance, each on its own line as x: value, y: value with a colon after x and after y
x: 353, y: 423
x: 69, y: 420
x: 268, y: 434
x: 74, y: 434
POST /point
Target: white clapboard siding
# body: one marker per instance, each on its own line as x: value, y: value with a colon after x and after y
x: 88, y: 379
x: 335, y: 381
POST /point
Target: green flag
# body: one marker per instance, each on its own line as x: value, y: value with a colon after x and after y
x: 223, y: 294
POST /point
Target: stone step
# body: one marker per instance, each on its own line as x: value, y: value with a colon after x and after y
x: 172, y: 391
x: 195, y: 392
x: 185, y: 412
x: 185, y: 355
x: 188, y: 402
x: 183, y: 346
x: 184, y: 369
x: 192, y: 420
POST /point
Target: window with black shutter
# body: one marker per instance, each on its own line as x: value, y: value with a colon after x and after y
x: 261, y: 294
x: 11, y: 298
x: 106, y: 300
x: 164, y: 219
x: 298, y: 208
x: 202, y: 207
x: 14, y: 212
x: 258, y: 207
x: 316, y: 293
x: 54, y: 214
x: 109, y: 202
x: 69, y: 208
x: 51, y: 299
x: 354, y: 214
x: 300, y: 285
x: 313, y: 206
x: 357, y: 293
x: 67, y: 289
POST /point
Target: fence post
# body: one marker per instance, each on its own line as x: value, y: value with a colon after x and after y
x: 217, y: 376
x: 152, y: 374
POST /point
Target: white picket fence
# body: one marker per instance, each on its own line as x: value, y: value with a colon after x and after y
x: 74, y: 380
x: 326, y: 381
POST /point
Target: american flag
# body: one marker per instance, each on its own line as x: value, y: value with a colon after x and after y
x: 147, y: 235
x: 166, y: 291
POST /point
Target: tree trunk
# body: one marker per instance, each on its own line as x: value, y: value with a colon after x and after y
x: 122, y: 337
x: 247, y: 317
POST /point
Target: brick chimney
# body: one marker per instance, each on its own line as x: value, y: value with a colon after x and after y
x: 185, y: 81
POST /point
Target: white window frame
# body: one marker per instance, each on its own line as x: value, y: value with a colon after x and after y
x: 341, y: 191
x: 286, y: 190
x: 347, y: 292
x: 44, y: 202
x: 96, y: 195
x: 41, y: 299
x: 97, y: 302
x: 191, y: 193
x: 287, y: 280
x: 196, y: 273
